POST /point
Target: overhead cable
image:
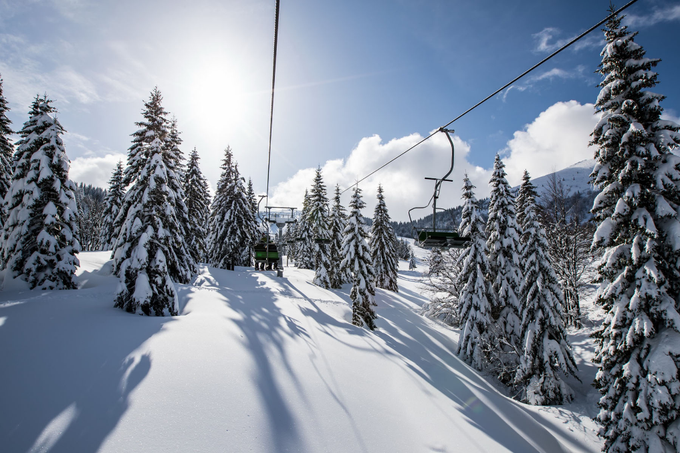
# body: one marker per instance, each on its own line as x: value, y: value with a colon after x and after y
x: 495, y: 92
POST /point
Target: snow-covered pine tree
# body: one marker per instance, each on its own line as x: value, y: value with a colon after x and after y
x: 173, y: 156
x: 6, y: 154
x: 304, y: 255
x: 383, y: 244
x: 476, y: 296
x: 232, y: 225
x: 503, y: 245
x: 252, y: 198
x: 357, y: 258
x: 435, y: 262
x: 339, y: 275
x: 638, y: 345
x: 526, y: 190
x: 197, y: 201
x: 155, y: 125
x: 411, y: 260
x: 180, y: 263
x: 113, y: 203
x: 40, y: 244
x: 319, y: 218
x: 146, y: 242
x: 403, y: 249
x: 545, y: 348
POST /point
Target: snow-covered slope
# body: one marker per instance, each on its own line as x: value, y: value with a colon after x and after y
x: 575, y: 179
x: 254, y: 363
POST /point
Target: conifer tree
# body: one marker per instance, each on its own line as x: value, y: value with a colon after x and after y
x: 232, y: 226
x: 527, y: 191
x: 545, y: 349
x: 197, y: 201
x: 40, y: 244
x: 320, y: 220
x: 155, y: 125
x: 638, y: 345
x: 476, y: 292
x: 357, y: 258
x: 113, y: 203
x: 412, y: 260
x: 383, y: 243
x: 252, y: 198
x: 503, y: 245
x: 435, y: 262
x: 180, y: 263
x: 339, y: 275
x: 305, y: 256
x: 145, y: 245
x: 6, y: 154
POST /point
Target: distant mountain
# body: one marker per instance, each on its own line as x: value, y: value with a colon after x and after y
x: 575, y: 179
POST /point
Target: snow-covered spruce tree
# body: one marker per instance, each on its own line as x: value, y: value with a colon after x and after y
x: 146, y: 242
x: 638, y: 345
x: 383, y: 244
x: 113, y: 203
x: 411, y: 260
x: 155, y: 125
x: 527, y: 191
x: 403, y: 249
x: 6, y: 154
x: 435, y: 262
x: 545, y: 349
x: 319, y: 219
x: 476, y: 292
x: 252, y: 198
x: 339, y: 275
x: 39, y: 236
x: 503, y: 245
x: 197, y: 201
x: 357, y: 258
x: 304, y: 255
x: 180, y: 263
x: 232, y: 226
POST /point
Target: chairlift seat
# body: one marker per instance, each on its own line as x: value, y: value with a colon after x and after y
x: 429, y: 239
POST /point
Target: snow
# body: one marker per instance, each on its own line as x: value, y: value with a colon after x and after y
x: 262, y: 364
x: 575, y: 179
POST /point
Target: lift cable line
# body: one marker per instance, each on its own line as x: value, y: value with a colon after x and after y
x: 271, y: 115
x: 495, y: 92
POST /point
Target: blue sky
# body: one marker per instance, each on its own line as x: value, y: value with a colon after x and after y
x: 357, y: 83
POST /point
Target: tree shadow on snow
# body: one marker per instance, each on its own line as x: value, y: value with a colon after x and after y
x: 69, y: 366
x: 431, y: 355
x: 265, y: 330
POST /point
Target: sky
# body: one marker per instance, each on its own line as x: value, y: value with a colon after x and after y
x: 357, y: 82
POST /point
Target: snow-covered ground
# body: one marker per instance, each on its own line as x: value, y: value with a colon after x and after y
x: 257, y: 363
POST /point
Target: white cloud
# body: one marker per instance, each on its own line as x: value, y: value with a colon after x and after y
x: 95, y: 170
x: 669, y: 115
x: 545, y: 43
x: 555, y: 73
x: 556, y: 139
x: 667, y: 14
x: 403, y: 180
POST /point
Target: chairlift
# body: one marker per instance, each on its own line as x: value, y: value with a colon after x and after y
x: 430, y: 238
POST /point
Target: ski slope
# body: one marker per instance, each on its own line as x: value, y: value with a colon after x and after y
x: 254, y: 363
